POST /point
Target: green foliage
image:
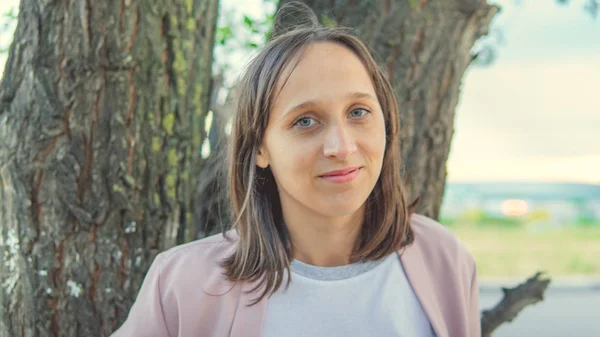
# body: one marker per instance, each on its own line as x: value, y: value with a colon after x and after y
x: 448, y: 221
x: 479, y: 218
x: 328, y: 21
x: 240, y: 33
x: 260, y: 30
x: 7, y: 25
x: 251, y: 33
x: 269, y: 20
x: 223, y: 34
x: 249, y: 23
x: 501, y: 221
x: 12, y: 14
x: 538, y: 215
x: 586, y: 221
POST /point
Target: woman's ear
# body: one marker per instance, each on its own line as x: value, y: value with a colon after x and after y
x: 262, y: 160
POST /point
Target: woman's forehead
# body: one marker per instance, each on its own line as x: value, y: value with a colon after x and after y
x: 323, y: 71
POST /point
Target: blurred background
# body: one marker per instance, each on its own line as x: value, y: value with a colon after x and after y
x: 524, y: 167
x: 523, y: 185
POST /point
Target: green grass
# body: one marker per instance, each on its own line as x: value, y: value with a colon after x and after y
x: 517, y: 251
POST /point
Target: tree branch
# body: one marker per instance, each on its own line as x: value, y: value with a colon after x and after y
x: 515, y: 300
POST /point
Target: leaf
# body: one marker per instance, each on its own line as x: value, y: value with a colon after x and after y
x: 223, y: 34
x: 12, y: 14
x: 328, y: 21
x: 248, y: 22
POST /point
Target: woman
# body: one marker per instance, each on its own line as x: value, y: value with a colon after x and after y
x: 323, y: 242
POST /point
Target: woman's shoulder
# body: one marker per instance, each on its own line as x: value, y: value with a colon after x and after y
x: 437, y: 241
x: 214, y: 246
x: 198, y: 262
x: 177, y: 287
x: 426, y: 226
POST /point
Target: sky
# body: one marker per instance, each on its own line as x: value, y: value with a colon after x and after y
x: 534, y: 114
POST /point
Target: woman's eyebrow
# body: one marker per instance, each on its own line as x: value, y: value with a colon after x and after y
x: 360, y: 95
x: 311, y: 103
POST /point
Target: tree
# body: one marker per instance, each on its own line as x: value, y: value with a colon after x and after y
x: 102, y: 111
x: 102, y: 106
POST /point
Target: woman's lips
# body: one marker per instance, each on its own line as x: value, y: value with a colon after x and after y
x: 342, y: 176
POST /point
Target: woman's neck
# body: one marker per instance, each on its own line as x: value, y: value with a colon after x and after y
x: 323, y: 241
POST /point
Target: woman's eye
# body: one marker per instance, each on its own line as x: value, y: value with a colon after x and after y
x: 305, y: 122
x: 358, y: 112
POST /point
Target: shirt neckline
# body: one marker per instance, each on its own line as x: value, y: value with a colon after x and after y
x: 333, y: 273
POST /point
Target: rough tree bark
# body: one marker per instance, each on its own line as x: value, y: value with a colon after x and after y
x: 425, y: 48
x: 102, y: 107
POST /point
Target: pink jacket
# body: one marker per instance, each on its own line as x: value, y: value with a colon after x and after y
x: 185, y: 295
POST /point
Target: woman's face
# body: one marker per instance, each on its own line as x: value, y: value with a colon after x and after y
x: 325, y: 138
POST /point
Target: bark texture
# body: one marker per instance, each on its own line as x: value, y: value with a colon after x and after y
x: 515, y: 299
x: 424, y: 47
x: 102, y: 106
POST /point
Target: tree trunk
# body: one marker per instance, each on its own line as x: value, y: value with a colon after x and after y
x: 424, y: 47
x: 102, y: 107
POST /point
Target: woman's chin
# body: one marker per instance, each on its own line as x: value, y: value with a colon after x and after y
x: 337, y: 209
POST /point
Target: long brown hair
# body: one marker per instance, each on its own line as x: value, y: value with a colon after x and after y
x: 263, y: 250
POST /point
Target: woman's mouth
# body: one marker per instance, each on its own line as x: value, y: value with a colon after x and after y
x: 341, y: 176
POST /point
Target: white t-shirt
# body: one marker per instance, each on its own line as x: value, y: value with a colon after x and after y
x: 361, y: 299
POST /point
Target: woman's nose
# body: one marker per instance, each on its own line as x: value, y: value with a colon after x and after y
x: 339, y: 143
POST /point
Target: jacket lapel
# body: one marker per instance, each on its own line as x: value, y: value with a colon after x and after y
x: 423, y: 286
